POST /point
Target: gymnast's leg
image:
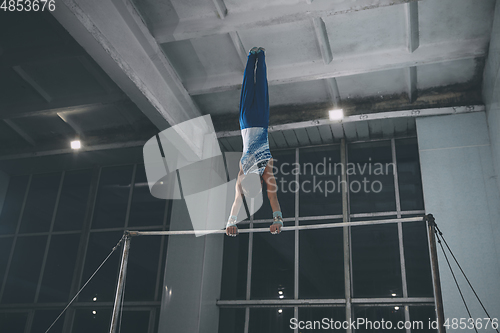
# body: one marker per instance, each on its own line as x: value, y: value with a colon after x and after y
x: 262, y: 89
x: 247, y: 89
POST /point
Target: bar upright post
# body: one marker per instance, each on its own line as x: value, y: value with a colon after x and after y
x: 121, y: 284
x: 438, y: 297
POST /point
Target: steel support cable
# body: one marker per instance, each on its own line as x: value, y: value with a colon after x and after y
x: 454, y: 278
x: 465, y: 276
x: 121, y: 305
x: 438, y: 231
x: 90, y: 278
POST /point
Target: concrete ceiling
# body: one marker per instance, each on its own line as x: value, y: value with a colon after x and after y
x: 52, y: 92
x: 127, y: 65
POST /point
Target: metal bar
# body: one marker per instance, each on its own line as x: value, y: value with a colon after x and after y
x: 358, y: 215
x: 13, y: 247
x: 247, y: 320
x: 329, y: 217
x: 395, y: 304
x: 413, y: 212
x: 152, y: 321
x: 122, y: 229
x: 252, y: 230
x: 296, y: 315
x: 321, y: 301
x: 29, y: 321
x: 158, y: 271
x: 164, y: 242
x: 92, y: 305
x: 396, y: 180
x: 249, y: 271
x: 82, y: 247
x: 393, y: 300
x: 400, y: 230
x: 47, y: 246
x: 436, y: 281
x: 279, y: 302
x: 130, y: 194
x: 351, y: 312
x: 346, y: 236
x: 121, y: 285
x: 296, y: 258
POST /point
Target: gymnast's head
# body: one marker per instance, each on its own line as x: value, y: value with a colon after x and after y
x: 251, y: 184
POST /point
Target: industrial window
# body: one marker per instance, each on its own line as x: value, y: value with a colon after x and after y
x: 376, y: 265
x: 56, y: 228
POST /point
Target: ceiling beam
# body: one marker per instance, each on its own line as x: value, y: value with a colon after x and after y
x: 411, y: 82
x: 221, y: 8
x: 333, y: 90
x: 20, y: 131
x: 70, y: 104
x: 74, y: 126
x: 238, y: 45
x: 97, y: 74
x: 266, y: 16
x: 83, y: 149
x: 366, y: 117
x: 323, y: 40
x: 352, y: 65
x: 116, y: 37
x: 29, y: 55
x: 304, y: 124
x: 412, y: 27
x: 31, y: 81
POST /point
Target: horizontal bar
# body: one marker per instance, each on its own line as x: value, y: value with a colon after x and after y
x: 302, y: 227
x: 323, y: 302
x: 333, y: 217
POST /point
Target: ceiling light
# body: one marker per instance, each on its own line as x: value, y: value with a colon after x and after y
x: 280, y: 292
x: 76, y: 144
x: 337, y: 114
x: 94, y: 312
x: 280, y: 311
x: 396, y: 308
x: 393, y: 295
x: 94, y: 299
x: 282, y: 296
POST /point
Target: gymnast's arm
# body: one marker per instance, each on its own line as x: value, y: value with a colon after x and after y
x: 238, y: 200
x: 272, y: 187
